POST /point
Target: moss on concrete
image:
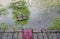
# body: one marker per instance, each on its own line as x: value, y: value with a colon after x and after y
x: 17, y: 10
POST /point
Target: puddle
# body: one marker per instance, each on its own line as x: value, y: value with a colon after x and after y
x: 37, y: 19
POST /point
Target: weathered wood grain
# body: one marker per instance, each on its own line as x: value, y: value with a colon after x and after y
x: 54, y: 36
x: 34, y: 36
x: 38, y: 34
x: 20, y: 36
x: 58, y: 35
x: 49, y: 35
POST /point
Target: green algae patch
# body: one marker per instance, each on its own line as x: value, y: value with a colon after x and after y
x: 2, y: 9
x: 16, y: 10
x: 3, y: 26
x: 56, y: 24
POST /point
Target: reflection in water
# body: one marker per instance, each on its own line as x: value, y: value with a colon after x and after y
x: 39, y: 18
x: 42, y: 17
x: 6, y: 16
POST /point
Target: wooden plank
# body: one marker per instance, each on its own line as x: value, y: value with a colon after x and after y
x: 40, y: 36
x: 50, y: 36
x: 4, y: 36
x: 36, y: 30
x: 45, y: 36
x: 34, y: 36
x: 1, y: 34
x: 20, y: 36
x: 15, y: 36
x: 53, y: 36
x: 58, y: 35
x: 9, y: 35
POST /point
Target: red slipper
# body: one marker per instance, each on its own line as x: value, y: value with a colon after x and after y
x: 30, y: 34
x: 25, y: 33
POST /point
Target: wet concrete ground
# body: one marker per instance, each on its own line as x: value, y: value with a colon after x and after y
x: 37, y: 17
x: 41, y: 17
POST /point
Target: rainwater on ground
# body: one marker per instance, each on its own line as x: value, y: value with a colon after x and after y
x: 39, y: 17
